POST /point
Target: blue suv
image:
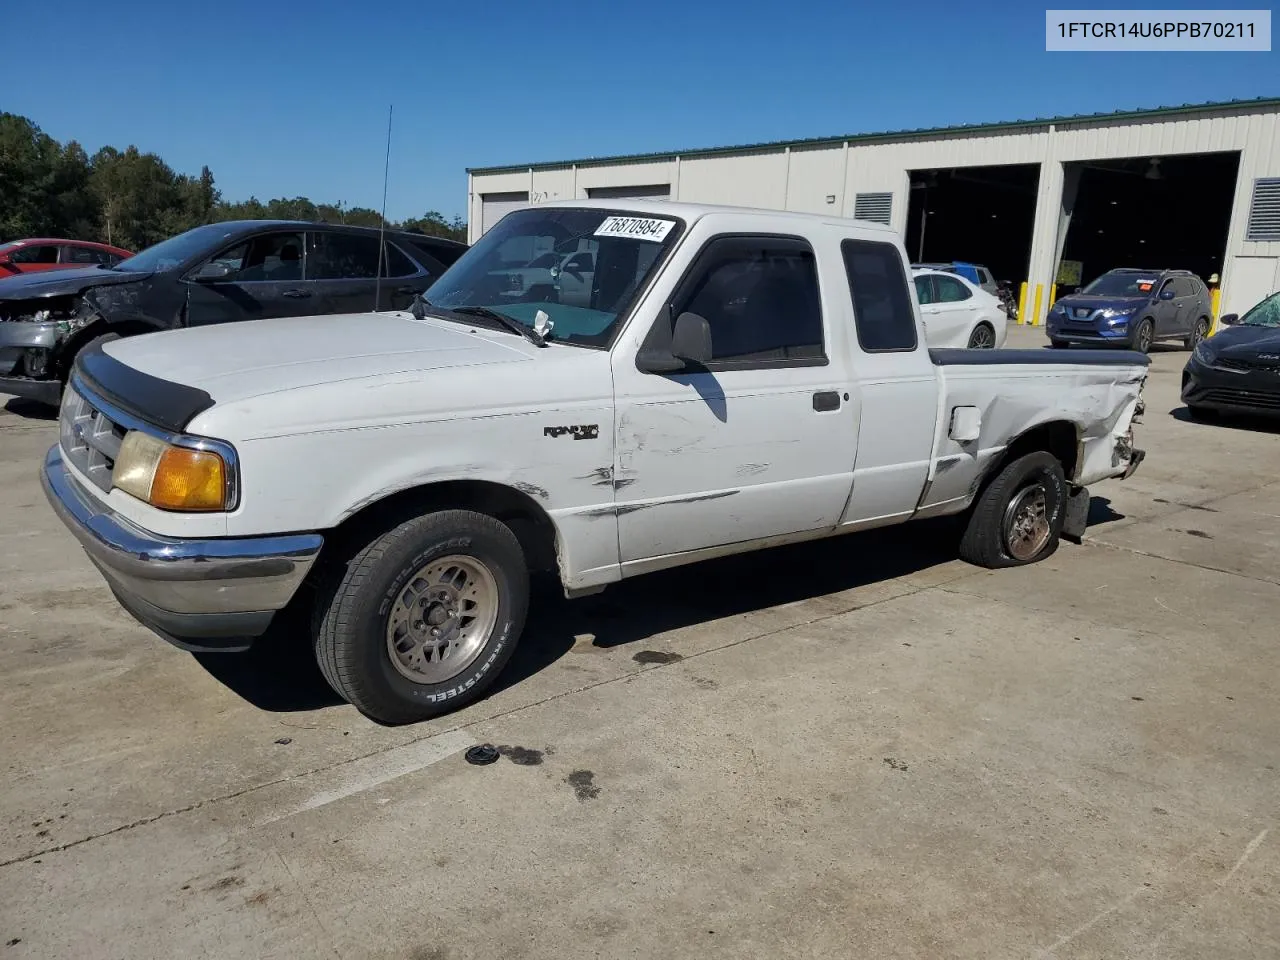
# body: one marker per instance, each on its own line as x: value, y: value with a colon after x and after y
x: 1131, y: 308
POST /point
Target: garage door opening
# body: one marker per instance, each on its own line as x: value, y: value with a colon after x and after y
x: 982, y: 215
x: 653, y: 191
x: 1151, y: 212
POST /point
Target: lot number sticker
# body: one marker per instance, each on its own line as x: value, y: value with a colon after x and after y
x: 637, y: 228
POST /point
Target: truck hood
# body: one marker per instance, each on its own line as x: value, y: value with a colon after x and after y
x: 61, y: 283
x: 237, y: 361
x: 1079, y: 300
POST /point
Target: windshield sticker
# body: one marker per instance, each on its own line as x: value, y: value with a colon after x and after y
x: 1146, y: 285
x: 637, y: 228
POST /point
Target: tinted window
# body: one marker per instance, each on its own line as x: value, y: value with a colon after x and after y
x: 951, y: 291
x: 760, y: 297
x: 85, y: 255
x: 882, y: 311
x: 398, y: 265
x: 984, y: 275
x: 44, y: 254
x: 1122, y: 285
x: 924, y: 290
x: 1185, y: 287
x: 275, y: 258
x: 341, y: 256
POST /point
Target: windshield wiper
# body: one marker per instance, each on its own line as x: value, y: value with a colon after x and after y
x: 507, y: 323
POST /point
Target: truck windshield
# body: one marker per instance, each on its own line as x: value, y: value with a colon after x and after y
x: 1122, y: 285
x: 581, y: 267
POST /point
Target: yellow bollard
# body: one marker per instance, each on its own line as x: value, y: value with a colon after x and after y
x: 1053, y: 296
x: 1035, y: 318
x: 1022, y: 303
x: 1215, y: 303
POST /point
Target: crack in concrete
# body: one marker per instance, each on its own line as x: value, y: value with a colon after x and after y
x: 236, y: 794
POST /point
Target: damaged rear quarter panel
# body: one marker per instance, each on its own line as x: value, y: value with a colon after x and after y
x: 1099, y: 401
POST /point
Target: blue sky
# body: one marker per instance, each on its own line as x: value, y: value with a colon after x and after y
x: 282, y: 102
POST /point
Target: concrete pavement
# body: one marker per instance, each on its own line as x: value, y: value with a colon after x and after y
x: 860, y: 748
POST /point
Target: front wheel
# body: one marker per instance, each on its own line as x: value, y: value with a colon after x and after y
x: 1018, y: 518
x: 423, y: 619
x: 1143, y: 336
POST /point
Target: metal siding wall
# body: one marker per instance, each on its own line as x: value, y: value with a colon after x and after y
x: 798, y: 178
x: 626, y: 175
x: 551, y: 185
x: 815, y: 175
x: 749, y: 180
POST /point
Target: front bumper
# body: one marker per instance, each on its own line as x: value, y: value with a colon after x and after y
x: 1252, y: 392
x: 19, y: 341
x: 1089, y: 335
x: 201, y: 595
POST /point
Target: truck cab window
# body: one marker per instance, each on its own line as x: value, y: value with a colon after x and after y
x: 760, y: 297
x: 882, y: 313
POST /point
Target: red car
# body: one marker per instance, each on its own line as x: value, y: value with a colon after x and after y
x: 28, y: 256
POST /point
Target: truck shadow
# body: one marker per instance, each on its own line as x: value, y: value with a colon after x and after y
x: 636, y: 610
x: 279, y: 673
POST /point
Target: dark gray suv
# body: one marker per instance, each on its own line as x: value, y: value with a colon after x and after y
x: 1133, y: 308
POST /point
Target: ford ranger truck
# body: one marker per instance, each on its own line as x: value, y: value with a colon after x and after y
x: 736, y: 379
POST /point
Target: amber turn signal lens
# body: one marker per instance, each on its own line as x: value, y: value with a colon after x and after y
x: 187, y: 479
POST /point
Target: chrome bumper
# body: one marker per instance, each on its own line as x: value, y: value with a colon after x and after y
x: 214, y: 594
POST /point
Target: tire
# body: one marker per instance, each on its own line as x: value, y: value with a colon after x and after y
x: 1143, y: 336
x: 990, y: 539
x: 363, y: 616
x: 1198, y: 333
x: 983, y: 337
x: 1059, y: 344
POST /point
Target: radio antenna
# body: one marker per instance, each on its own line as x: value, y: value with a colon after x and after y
x: 382, y: 220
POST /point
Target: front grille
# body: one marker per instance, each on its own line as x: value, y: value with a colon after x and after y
x: 1242, y: 398
x: 1262, y: 366
x: 89, y: 439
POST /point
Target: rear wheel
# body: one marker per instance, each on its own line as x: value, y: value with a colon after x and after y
x: 983, y: 337
x: 423, y: 618
x: 1198, y: 333
x: 1143, y: 336
x: 1018, y: 518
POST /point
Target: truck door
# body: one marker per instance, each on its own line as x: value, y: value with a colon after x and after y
x: 897, y: 384
x: 760, y: 442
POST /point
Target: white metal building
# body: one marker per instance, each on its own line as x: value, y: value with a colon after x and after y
x: 1220, y: 208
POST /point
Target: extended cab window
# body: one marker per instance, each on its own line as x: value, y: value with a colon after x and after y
x: 951, y: 291
x: 882, y: 313
x: 342, y: 256
x: 760, y: 297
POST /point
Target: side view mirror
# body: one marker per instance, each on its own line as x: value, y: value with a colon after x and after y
x: 211, y: 271
x: 1166, y: 293
x: 690, y: 347
x: 1227, y: 319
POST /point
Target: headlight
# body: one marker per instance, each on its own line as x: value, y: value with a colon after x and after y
x: 1203, y: 352
x: 1113, y: 313
x: 171, y: 477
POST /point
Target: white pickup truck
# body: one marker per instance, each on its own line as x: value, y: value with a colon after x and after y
x: 737, y: 379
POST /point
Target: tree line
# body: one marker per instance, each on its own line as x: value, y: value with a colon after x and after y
x: 132, y: 199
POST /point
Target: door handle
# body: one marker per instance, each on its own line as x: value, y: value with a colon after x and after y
x: 406, y: 291
x: 296, y: 294
x: 826, y: 400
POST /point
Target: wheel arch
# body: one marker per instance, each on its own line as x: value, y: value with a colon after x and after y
x: 1061, y: 438
x: 531, y: 524
x: 96, y: 328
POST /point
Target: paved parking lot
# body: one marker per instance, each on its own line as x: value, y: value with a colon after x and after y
x: 861, y: 748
